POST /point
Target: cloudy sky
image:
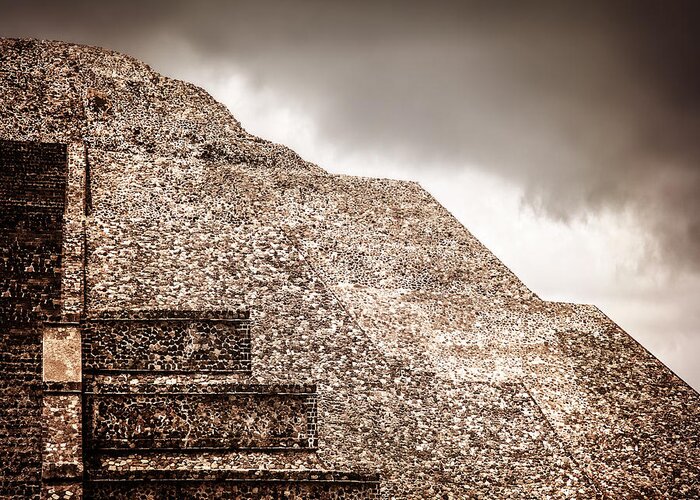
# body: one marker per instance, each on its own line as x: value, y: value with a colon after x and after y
x: 565, y: 135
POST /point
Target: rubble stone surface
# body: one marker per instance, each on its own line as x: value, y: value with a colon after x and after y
x: 32, y: 182
x: 235, y: 298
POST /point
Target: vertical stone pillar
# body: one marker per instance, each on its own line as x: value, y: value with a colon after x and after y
x: 73, y: 255
x: 62, y: 454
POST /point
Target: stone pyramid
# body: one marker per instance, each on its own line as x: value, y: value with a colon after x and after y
x: 188, y: 311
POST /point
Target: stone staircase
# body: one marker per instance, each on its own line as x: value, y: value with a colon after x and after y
x: 171, y: 409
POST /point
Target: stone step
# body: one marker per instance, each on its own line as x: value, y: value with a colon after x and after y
x: 239, y: 484
x: 195, y: 417
x: 167, y: 341
x: 106, y: 465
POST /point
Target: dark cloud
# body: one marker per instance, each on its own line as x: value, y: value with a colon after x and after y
x: 587, y: 106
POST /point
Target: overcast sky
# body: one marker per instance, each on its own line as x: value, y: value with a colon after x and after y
x: 565, y: 135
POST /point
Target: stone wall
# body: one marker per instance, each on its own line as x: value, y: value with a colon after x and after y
x: 162, y: 385
x: 20, y: 412
x: 168, y: 341
x: 233, y: 417
x: 440, y: 304
x: 32, y: 201
x: 243, y: 485
x: 379, y: 293
x: 32, y: 191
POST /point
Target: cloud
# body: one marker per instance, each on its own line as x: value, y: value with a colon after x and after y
x: 586, y: 107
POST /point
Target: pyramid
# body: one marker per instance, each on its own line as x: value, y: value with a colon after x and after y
x: 189, y: 311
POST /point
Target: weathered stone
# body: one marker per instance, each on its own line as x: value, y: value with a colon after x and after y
x: 62, y: 358
x: 254, y: 326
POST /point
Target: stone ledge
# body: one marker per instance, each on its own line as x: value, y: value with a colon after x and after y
x: 241, y: 475
x: 244, y: 485
x: 52, y: 387
x: 254, y: 417
x: 127, y: 384
x: 167, y: 344
x: 240, y: 313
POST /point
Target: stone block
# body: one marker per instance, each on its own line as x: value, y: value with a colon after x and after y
x: 62, y: 354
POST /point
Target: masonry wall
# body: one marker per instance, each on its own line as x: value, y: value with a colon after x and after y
x: 385, y: 401
x: 471, y: 383
x: 299, y: 334
x: 32, y: 190
x: 429, y: 362
x: 429, y: 293
x: 301, y: 485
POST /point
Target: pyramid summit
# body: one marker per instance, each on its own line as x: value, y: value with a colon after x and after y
x: 189, y: 311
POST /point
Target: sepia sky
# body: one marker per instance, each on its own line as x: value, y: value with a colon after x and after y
x: 565, y: 135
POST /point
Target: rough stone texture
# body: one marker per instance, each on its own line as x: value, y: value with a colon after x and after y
x: 62, y: 443
x: 434, y: 366
x: 73, y: 253
x: 242, y: 417
x: 163, y: 382
x: 55, y: 491
x: 32, y: 187
x: 167, y: 344
x: 32, y: 191
x: 60, y: 92
x: 20, y: 412
x: 242, y: 485
x: 62, y: 359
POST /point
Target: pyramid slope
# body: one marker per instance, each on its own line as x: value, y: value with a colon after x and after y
x: 434, y: 365
x: 58, y: 92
